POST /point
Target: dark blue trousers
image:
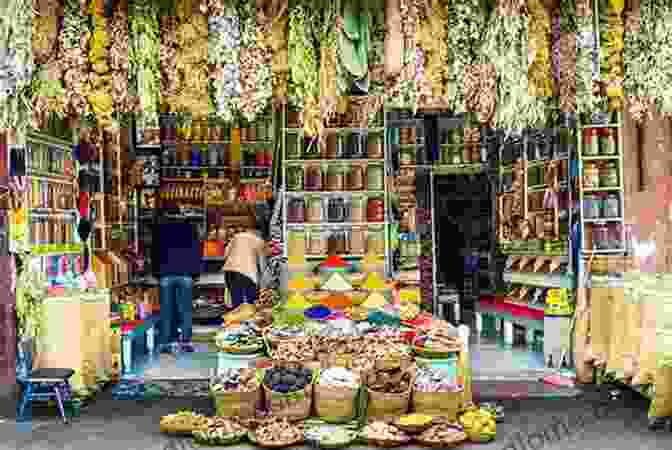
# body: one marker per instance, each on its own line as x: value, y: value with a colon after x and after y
x: 176, y: 293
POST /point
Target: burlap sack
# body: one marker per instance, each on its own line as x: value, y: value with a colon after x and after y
x: 661, y: 406
x: 619, y: 336
x: 335, y: 404
x: 438, y: 404
x: 294, y: 406
x: 238, y: 404
x: 600, y: 323
x: 388, y: 406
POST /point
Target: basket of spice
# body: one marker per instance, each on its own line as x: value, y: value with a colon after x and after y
x: 244, y: 339
x: 327, y: 436
x: 236, y: 392
x: 276, y: 433
x: 288, y: 390
x: 437, y: 343
x: 182, y: 423
x: 414, y: 423
x: 336, y: 392
x: 381, y: 434
x: 389, y: 387
x: 443, y: 435
x: 220, y: 431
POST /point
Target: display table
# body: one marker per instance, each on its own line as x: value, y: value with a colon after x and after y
x: 77, y: 335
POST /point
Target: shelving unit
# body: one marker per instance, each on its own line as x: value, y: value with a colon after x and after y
x: 299, y: 157
x: 589, y: 158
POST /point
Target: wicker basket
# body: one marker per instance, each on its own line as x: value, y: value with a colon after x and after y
x: 237, y: 404
x: 424, y: 352
x: 253, y: 439
x: 386, y: 443
x: 433, y: 444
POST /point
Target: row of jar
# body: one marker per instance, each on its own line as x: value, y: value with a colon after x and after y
x: 348, y: 240
x: 336, y: 177
x: 357, y: 145
x: 597, y: 175
x: 355, y: 209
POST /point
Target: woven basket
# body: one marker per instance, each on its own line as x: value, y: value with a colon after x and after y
x: 432, y: 444
x: 237, y: 404
x: 438, y: 404
x: 413, y: 429
x: 386, y: 443
x: 253, y: 438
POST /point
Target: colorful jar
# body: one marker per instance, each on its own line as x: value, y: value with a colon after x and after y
x: 314, y: 210
x: 336, y: 178
x: 313, y: 180
x: 358, y: 209
x: 375, y: 209
x: 355, y: 178
x: 294, y: 178
x: 591, y: 176
x: 375, y: 242
x: 375, y: 177
x: 608, y: 141
x: 608, y: 174
x: 591, y: 145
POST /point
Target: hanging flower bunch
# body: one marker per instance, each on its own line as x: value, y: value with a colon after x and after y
x: 466, y: 20
x: 586, y: 100
x: 423, y: 84
x: 100, y: 97
x: 144, y: 51
x: 480, y: 91
x: 74, y: 46
x: 31, y: 289
x: 539, y: 69
x: 401, y: 88
x: 304, y: 71
x: 377, y: 50
x: 565, y: 52
x: 118, y: 61
x: 255, y: 65
x: 432, y: 39
x: 637, y: 62
x: 16, y: 64
x: 506, y: 45
x: 329, y: 62
x: 224, y: 54
x: 272, y: 23
x: 47, y: 87
x: 612, y: 28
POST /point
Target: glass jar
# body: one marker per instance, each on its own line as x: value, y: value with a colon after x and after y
x: 591, y: 145
x: 375, y: 209
x: 608, y: 174
x: 355, y: 178
x: 375, y: 241
x: 591, y: 209
x: 336, y: 178
x: 374, y: 147
x: 313, y: 178
x: 358, y: 209
x: 297, y: 243
x: 375, y: 178
x: 296, y: 210
x: 611, y: 207
x: 357, y: 148
x: 608, y: 142
x: 294, y: 178
x: 600, y: 236
x: 406, y: 156
x: 591, y: 178
x: 316, y: 243
x: 358, y: 240
x: 336, y: 210
x: 334, y: 147
x: 314, y: 210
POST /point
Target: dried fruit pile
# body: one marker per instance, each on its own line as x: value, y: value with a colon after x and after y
x: 219, y: 431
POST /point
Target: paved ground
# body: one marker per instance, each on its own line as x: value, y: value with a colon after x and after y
x: 586, y: 422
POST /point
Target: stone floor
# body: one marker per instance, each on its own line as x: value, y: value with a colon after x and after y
x: 587, y: 422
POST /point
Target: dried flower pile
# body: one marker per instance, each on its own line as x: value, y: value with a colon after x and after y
x: 539, y: 47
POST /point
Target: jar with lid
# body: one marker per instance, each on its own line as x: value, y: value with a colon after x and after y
x: 375, y: 209
x: 314, y: 210
x: 591, y: 178
x: 336, y: 242
x: 608, y: 141
x: 296, y: 210
x: 355, y: 178
x: 313, y: 178
x: 297, y: 243
x: 292, y: 147
x: 591, y: 145
x: 375, y: 241
x: 357, y: 148
x: 358, y: 240
x: 336, y: 210
x: 336, y: 178
x: 316, y: 242
x: 407, y: 156
x: 374, y: 147
x: 294, y: 178
x: 375, y: 177
x: 358, y: 209
x: 600, y: 236
x: 590, y: 207
x: 611, y: 207
x: 334, y: 146
x: 608, y: 174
